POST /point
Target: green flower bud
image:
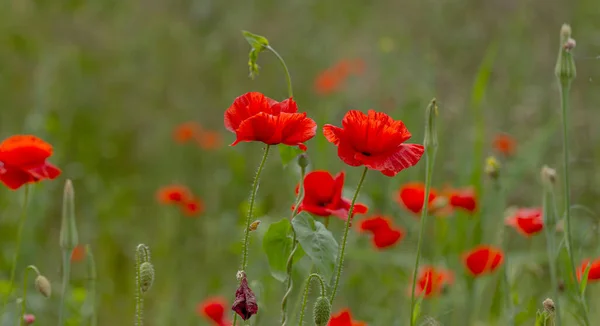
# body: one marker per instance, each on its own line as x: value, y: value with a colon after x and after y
x: 322, y: 311
x: 146, y: 276
x: 43, y: 286
x: 68, y: 228
x: 565, y: 64
x: 303, y: 160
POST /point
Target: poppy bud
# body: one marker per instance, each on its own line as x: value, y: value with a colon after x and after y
x: 431, y: 140
x: 303, y: 161
x: 245, y: 301
x: 322, y: 311
x: 28, y: 319
x: 68, y: 228
x: 492, y: 167
x: 548, y: 176
x: 146, y: 276
x: 549, y: 305
x: 565, y: 65
x: 254, y: 225
x: 43, y: 286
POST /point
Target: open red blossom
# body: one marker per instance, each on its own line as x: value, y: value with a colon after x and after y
x: 431, y: 281
x: 505, y: 144
x: 255, y: 117
x: 173, y: 194
x: 374, y: 140
x: 463, y: 199
x: 245, y: 301
x: 344, y: 318
x: 412, y: 195
x: 384, y: 234
x: 323, y: 196
x: 192, y: 207
x: 528, y: 221
x: 483, y: 259
x: 214, y: 310
x: 594, y: 273
x: 23, y: 160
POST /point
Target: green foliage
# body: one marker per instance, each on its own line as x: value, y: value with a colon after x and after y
x: 318, y: 243
x: 258, y: 44
x: 288, y: 153
x: 277, y: 244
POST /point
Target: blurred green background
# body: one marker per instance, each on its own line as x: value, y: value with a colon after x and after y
x: 107, y: 82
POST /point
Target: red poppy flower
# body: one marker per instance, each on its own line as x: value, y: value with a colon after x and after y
x: 78, y: 254
x: 192, y: 207
x: 255, y: 117
x: 214, y: 310
x: 186, y: 132
x: 375, y: 141
x: 384, y: 234
x: 431, y: 281
x: 344, y: 318
x: 208, y: 139
x: 528, y: 221
x: 23, y: 160
x: 332, y: 79
x: 173, y: 194
x: 412, y: 196
x: 483, y: 259
x: 323, y: 196
x: 245, y: 301
x: 505, y: 144
x: 594, y: 273
x: 463, y: 199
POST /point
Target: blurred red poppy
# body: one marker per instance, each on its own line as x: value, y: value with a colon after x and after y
x: 323, y: 196
x: 214, y: 310
x: 333, y: 78
x: 78, y: 254
x: 431, y: 281
x: 173, y: 194
x: 384, y: 234
x: 186, y: 132
x: 412, y: 195
x: 527, y: 221
x: 594, y: 273
x: 375, y: 141
x: 255, y: 117
x: 344, y: 318
x: 505, y: 144
x: 208, y: 139
x: 483, y: 259
x: 463, y: 199
x: 192, y: 207
x: 23, y: 160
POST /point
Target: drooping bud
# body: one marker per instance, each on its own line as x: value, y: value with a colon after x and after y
x: 431, y: 139
x: 245, y: 301
x: 303, y: 160
x: 43, y: 286
x: 548, y: 176
x: 492, y: 167
x: 254, y: 225
x: 146, y: 276
x: 565, y: 65
x: 68, y: 229
x: 322, y: 311
x: 28, y: 319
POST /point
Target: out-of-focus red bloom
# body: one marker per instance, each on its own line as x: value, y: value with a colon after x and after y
x: 412, y: 196
x: 78, y: 254
x: 483, y: 259
x: 192, y: 207
x: 255, y: 117
x: 214, y: 310
x: 23, y: 160
x: 245, y: 301
x: 209, y: 139
x: 28, y: 319
x: 505, y: 144
x: 344, y: 318
x: 384, y: 234
x: 323, y: 196
x: 528, y: 221
x: 332, y: 79
x: 594, y: 273
x: 375, y: 141
x: 186, y: 132
x: 463, y: 199
x: 173, y: 194
x: 431, y: 281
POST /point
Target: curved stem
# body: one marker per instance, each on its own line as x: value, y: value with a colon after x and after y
x: 430, y: 158
x: 285, y: 68
x: 508, y: 306
x: 549, y: 225
x: 343, y: 249
x: 305, y: 297
x: 139, y: 300
x: 13, y: 269
x: 24, y: 299
x: 66, y: 260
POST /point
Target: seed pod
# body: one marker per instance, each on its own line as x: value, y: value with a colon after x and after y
x: 322, y: 311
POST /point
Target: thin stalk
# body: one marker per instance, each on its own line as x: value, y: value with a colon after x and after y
x: 508, y: 306
x: 345, y: 238
x: 290, y: 261
x: 430, y: 159
x: 285, y: 68
x: 551, y: 247
x: 24, y: 299
x: 92, y: 276
x: 305, y: 297
x: 66, y: 261
x: 13, y: 269
x: 139, y: 300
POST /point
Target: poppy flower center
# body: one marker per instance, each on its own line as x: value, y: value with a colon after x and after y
x: 366, y: 153
x: 322, y: 204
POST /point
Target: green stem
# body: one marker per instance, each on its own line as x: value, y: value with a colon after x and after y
x: 343, y: 249
x: 565, y: 87
x: 92, y: 276
x: 290, y: 261
x: 285, y: 68
x: 66, y: 260
x: 11, y: 282
x: 139, y: 300
x: 549, y: 225
x: 430, y: 159
x: 24, y: 299
x: 305, y: 297
x: 504, y: 243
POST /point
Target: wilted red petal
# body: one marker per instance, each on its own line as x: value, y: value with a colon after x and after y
x: 245, y: 301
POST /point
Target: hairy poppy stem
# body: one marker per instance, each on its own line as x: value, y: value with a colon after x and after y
x: 305, y: 297
x: 508, y: 306
x: 288, y: 77
x: 92, y: 276
x: 24, y: 298
x: 345, y: 238
x: 290, y: 261
x: 549, y: 227
x: 11, y: 282
x: 66, y: 261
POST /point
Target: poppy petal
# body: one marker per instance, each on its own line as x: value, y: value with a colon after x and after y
x: 296, y: 128
x: 14, y: 178
x: 405, y: 156
x: 44, y: 171
x: 244, y: 107
x: 260, y: 127
x: 285, y: 106
x: 333, y: 134
x: 24, y: 151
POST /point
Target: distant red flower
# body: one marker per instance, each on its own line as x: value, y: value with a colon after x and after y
x: 528, y: 221
x: 245, y: 301
x: 344, y: 318
x: 192, y: 207
x: 431, y: 281
x: 464, y: 199
x: 412, y: 196
x: 505, y: 144
x: 332, y: 79
x: 173, y: 194
x: 323, y: 196
x: 78, y: 254
x: 208, y: 139
x: 384, y: 234
x: 23, y: 160
x: 214, y: 310
x: 186, y: 132
x: 255, y: 117
x: 375, y: 141
x: 483, y: 259
x: 28, y: 319
x: 594, y: 273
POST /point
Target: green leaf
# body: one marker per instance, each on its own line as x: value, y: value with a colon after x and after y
x: 317, y: 242
x: 288, y: 153
x: 257, y: 42
x: 252, y: 65
x: 277, y: 244
x: 584, y: 279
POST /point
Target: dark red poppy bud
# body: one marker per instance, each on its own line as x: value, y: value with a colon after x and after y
x: 245, y: 301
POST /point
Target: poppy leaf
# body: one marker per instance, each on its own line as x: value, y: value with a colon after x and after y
x: 584, y: 279
x: 288, y: 153
x: 277, y: 244
x: 318, y: 243
x: 257, y: 42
